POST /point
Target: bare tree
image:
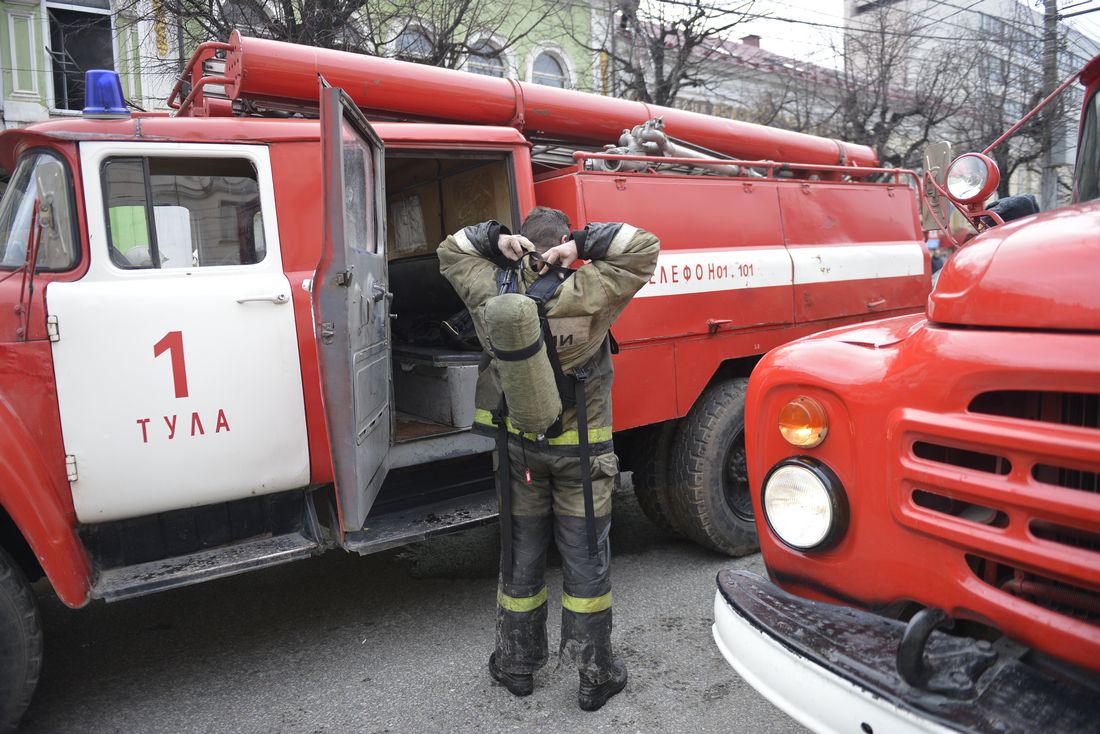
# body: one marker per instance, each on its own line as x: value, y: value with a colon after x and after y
x: 437, y: 32
x: 796, y: 96
x: 655, y: 49
x: 896, y: 88
x: 1006, y: 83
x: 447, y: 32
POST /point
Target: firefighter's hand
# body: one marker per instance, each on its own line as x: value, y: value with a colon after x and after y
x: 512, y: 246
x: 563, y: 255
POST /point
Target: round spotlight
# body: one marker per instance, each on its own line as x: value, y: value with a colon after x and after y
x: 971, y: 178
x: 804, y: 504
x: 803, y: 422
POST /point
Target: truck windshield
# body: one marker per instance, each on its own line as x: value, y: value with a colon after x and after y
x: 1087, y: 170
x: 38, y: 193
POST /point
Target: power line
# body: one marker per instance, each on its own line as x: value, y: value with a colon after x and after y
x: 1062, y: 16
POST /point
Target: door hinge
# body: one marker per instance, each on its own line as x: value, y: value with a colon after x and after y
x: 52, y: 329
x: 328, y: 331
x: 343, y: 278
x: 70, y: 467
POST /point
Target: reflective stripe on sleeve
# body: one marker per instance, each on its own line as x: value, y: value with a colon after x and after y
x: 484, y: 417
x: 586, y: 604
x: 521, y: 603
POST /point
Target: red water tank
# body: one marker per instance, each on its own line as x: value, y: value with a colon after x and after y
x: 275, y: 71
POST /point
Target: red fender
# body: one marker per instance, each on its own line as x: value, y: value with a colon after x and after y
x: 34, y: 490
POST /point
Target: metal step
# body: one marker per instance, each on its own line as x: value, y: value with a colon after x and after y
x: 170, y: 573
x: 409, y: 526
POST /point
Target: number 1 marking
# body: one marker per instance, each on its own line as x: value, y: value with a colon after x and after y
x: 173, y: 342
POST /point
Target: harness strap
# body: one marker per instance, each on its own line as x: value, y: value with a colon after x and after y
x: 572, y: 392
x: 504, y: 484
x: 580, y: 375
x: 541, y: 291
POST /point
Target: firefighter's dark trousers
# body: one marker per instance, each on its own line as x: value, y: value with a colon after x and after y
x: 553, y: 503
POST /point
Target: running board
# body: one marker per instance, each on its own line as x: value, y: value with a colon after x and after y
x: 170, y: 573
x: 410, y: 526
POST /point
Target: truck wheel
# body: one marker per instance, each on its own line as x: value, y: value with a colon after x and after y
x: 652, y: 474
x: 20, y: 644
x: 711, y: 499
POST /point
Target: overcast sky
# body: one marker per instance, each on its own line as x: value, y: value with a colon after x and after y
x: 812, y: 39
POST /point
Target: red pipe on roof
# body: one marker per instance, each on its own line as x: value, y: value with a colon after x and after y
x: 274, y: 71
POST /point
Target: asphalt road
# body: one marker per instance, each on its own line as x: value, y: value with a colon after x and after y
x: 394, y: 642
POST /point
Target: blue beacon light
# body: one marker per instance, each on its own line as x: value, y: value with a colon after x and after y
x: 103, y: 95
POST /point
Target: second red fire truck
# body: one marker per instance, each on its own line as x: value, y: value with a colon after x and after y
x: 928, y: 488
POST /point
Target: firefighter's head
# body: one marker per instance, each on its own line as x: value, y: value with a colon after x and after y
x: 546, y: 228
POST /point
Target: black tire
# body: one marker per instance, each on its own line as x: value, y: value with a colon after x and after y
x: 711, y: 498
x: 20, y: 644
x: 653, y: 474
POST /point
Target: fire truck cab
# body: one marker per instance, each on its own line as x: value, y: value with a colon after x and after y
x: 926, y: 489
x: 223, y: 331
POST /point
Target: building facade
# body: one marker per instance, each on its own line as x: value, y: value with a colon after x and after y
x: 999, y: 45
x: 48, y: 45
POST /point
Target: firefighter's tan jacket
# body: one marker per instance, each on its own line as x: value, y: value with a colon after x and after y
x: 621, y: 259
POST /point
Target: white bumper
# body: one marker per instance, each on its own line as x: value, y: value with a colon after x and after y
x: 816, y: 697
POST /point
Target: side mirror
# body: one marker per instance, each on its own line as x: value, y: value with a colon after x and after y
x: 933, y: 206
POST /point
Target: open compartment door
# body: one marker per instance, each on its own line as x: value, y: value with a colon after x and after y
x: 351, y: 305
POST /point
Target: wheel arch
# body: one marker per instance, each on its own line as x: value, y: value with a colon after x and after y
x: 735, y: 367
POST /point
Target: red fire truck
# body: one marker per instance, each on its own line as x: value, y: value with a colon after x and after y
x: 927, y: 488
x: 223, y: 340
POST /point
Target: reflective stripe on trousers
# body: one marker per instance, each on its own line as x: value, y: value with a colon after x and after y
x: 567, y: 438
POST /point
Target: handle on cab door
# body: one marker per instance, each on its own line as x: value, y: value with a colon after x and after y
x: 273, y: 297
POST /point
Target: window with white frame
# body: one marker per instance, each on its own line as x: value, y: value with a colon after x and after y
x: 486, y: 57
x: 81, y: 38
x: 550, y: 70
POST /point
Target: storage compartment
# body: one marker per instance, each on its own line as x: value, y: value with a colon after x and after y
x: 430, y: 195
x: 434, y: 390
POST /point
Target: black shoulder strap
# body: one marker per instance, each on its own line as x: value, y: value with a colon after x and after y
x: 543, y: 289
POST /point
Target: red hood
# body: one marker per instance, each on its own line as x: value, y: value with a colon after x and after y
x: 1040, y: 272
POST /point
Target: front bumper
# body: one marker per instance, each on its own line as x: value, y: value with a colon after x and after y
x: 833, y: 669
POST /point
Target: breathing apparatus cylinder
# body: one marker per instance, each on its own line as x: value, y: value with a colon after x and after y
x: 526, y: 377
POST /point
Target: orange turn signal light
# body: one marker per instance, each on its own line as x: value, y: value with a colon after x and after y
x: 803, y: 422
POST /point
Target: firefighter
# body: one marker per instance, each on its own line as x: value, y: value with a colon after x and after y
x: 543, y: 491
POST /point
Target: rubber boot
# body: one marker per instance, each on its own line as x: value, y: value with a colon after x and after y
x: 518, y: 684
x: 592, y: 696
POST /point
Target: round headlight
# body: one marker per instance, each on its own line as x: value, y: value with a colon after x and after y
x: 971, y: 178
x: 803, y: 422
x: 804, y: 504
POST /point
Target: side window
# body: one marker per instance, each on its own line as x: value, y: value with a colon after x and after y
x: 38, y: 196
x: 182, y: 212
x: 1086, y: 172
x: 359, y: 222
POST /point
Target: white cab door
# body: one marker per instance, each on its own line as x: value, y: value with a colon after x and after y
x: 178, y: 376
